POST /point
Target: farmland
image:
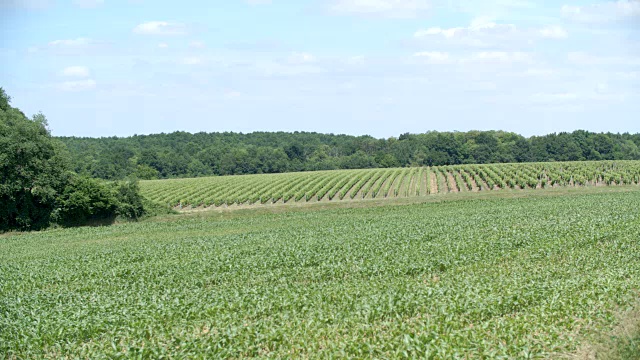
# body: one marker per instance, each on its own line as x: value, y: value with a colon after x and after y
x: 528, y: 277
x: 341, y: 185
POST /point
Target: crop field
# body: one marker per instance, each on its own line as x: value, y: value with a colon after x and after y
x: 538, y: 276
x: 385, y: 183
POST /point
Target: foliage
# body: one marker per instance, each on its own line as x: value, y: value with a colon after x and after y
x: 85, y: 200
x: 181, y: 154
x: 91, y: 201
x: 380, y: 183
x: 130, y: 202
x: 32, y: 169
x: 521, y: 278
x: 36, y: 187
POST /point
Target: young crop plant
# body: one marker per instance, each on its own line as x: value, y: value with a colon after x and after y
x: 458, y: 181
x: 316, y: 187
x: 341, y: 184
x: 330, y: 184
x: 466, y: 178
x: 402, y: 178
x: 375, y: 190
x: 440, y: 179
x: 419, y: 180
x: 507, y: 278
x: 371, y: 183
x: 261, y: 192
x: 390, y: 181
x: 450, y: 181
x: 361, y: 183
x: 296, y: 188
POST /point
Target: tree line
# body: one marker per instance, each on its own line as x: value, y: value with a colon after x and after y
x: 182, y: 154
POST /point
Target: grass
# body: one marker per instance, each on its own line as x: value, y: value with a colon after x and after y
x: 622, y: 343
x: 504, y: 276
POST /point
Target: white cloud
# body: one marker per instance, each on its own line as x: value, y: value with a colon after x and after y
x: 603, y: 12
x: 554, y: 32
x: 79, y: 85
x: 481, y: 32
x: 196, y: 44
x: 433, y: 57
x: 493, y: 58
x: 355, y: 60
x: 478, y: 27
x: 76, y: 71
x: 539, y: 72
x: 232, y: 94
x: 484, y: 32
x: 259, y: 2
x: 602, y: 88
x: 500, y: 57
x: 547, y: 98
x: 192, y: 60
x: 160, y: 28
x: 583, y: 58
x: 500, y: 8
x: 79, y: 42
x: 300, y: 58
x: 88, y: 3
x: 271, y: 68
x: 382, y: 8
x: 163, y: 45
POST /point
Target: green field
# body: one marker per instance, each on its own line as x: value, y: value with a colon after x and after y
x: 535, y: 276
x: 339, y: 185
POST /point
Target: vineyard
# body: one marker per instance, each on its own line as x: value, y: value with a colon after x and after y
x: 385, y: 183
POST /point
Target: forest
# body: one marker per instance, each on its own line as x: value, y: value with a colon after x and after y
x: 182, y: 154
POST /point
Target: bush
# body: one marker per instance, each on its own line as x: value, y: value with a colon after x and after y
x: 130, y: 202
x: 84, y: 201
x: 87, y: 201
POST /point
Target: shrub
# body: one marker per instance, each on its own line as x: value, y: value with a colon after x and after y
x: 87, y: 201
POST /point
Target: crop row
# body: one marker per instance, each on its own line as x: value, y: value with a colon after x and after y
x: 383, y: 183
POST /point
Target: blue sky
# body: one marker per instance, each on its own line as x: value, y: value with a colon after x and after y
x: 377, y: 67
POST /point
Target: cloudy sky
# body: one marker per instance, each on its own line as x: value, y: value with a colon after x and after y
x: 378, y: 67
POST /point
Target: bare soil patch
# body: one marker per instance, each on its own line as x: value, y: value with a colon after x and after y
x: 452, y: 181
x: 433, y: 183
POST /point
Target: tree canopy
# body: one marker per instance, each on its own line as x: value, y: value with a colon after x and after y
x: 32, y: 166
x: 181, y: 154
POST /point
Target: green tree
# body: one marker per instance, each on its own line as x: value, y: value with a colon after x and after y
x: 5, y: 100
x: 32, y: 167
x: 146, y: 172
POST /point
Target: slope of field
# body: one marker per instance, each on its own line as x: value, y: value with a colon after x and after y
x: 531, y: 277
x: 384, y: 183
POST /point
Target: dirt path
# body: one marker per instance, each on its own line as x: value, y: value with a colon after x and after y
x: 452, y: 182
x: 433, y: 182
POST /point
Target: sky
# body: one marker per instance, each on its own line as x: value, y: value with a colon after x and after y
x: 377, y: 67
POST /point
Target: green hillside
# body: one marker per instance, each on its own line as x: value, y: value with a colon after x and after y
x: 342, y: 185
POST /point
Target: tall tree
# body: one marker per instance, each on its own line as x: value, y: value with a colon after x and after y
x: 32, y: 169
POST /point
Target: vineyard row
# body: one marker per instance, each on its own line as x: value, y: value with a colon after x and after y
x: 385, y: 183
